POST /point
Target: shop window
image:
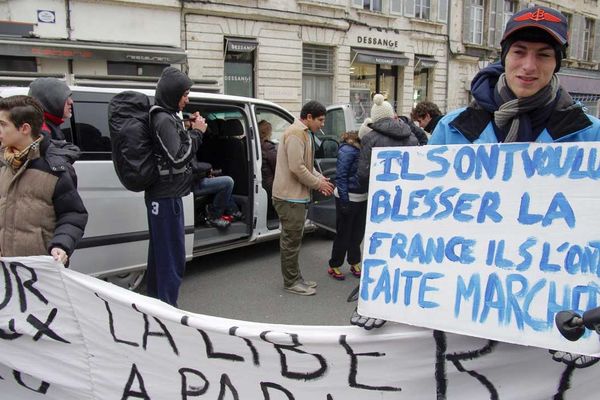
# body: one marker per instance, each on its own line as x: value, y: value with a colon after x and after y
x: 421, y: 85
x: 363, y: 85
x: 368, y: 78
x: 21, y: 64
x: 239, y: 67
x: 134, y: 69
x: 317, y: 73
x: 387, y: 75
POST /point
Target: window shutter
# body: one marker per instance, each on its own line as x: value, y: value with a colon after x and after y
x: 467, y: 21
x: 500, y: 25
x: 442, y: 10
x: 596, y: 53
x: 357, y: 3
x: 317, y: 59
x: 396, y: 6
x: 576, y: 39
x: 409, y: 8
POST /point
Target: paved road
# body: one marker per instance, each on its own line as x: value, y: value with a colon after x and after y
x: 246, y: 284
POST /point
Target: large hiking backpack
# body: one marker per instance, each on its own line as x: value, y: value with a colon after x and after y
x: 132, y: 140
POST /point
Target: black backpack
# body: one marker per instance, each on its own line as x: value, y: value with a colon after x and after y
x: 132, y: 139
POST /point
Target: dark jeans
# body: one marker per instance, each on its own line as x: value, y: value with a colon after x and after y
x: 166, y: 251
x: 222, y: 187
x: 292, y: 217
x: 350, y: 229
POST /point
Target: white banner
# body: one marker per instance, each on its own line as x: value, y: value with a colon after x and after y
x: 64, y: 335
x: 490, y: 240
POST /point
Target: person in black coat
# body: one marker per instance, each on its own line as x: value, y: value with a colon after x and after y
x: 176, y: 147
x: 384, y: 131
x: 269, y: 161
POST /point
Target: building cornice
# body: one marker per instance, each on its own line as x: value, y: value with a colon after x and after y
x: 262, y: 14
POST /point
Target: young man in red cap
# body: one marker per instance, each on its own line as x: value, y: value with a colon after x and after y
x: 520, y: 99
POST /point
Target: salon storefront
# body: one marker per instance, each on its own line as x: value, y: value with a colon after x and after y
x: 393, y: 64
x: 335, y: 61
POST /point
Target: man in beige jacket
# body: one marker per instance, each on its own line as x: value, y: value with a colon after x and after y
x: 295, y: 177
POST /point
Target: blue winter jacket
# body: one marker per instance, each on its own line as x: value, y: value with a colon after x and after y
x: 584, y: 128
x: 475, y: 124
x: 346, y: 179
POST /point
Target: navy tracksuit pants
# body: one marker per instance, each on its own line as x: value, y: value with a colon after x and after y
x: 166, y: 251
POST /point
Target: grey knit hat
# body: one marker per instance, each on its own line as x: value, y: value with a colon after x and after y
x: 52, y: 93
x: 381, y: 108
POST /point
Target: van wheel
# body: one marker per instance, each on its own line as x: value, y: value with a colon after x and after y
x: 129, y: 280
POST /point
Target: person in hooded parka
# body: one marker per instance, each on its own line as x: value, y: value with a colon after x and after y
x: 175, y: 148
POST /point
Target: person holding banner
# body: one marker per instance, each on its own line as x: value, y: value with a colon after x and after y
x: 41, y: 211
x: 520, y: 98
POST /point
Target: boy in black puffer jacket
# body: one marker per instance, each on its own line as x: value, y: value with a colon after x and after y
x: 41, y: 211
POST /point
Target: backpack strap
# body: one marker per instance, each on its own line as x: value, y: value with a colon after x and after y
x: 163, y: 167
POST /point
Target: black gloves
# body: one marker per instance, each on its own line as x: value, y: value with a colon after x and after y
x: 573, y: 360
x: 366, y: 322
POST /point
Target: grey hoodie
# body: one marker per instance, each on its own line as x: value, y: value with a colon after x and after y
x: 386, y: 132
x: 52, y: 93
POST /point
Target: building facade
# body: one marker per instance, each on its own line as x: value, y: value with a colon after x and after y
x: 334, y: 51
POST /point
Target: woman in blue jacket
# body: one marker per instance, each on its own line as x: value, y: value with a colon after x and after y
x: 350, y: 209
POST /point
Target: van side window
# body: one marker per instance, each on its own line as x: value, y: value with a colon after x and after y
x: 91, y: 129
x: 278, y: 121
x: 335, y: 123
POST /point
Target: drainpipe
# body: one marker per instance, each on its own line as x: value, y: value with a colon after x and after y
x: 448, y: 55
x: 183, y: 19
x: 69, y: 76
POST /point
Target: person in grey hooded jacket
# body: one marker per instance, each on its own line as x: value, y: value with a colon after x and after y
x: 55, y: 96
x: 385, y: 131
x: 175, y: 149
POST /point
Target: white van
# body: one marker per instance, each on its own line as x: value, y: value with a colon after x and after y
x: 115, y: 243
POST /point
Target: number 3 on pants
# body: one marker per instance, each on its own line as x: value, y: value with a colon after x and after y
x: 155, y: 208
